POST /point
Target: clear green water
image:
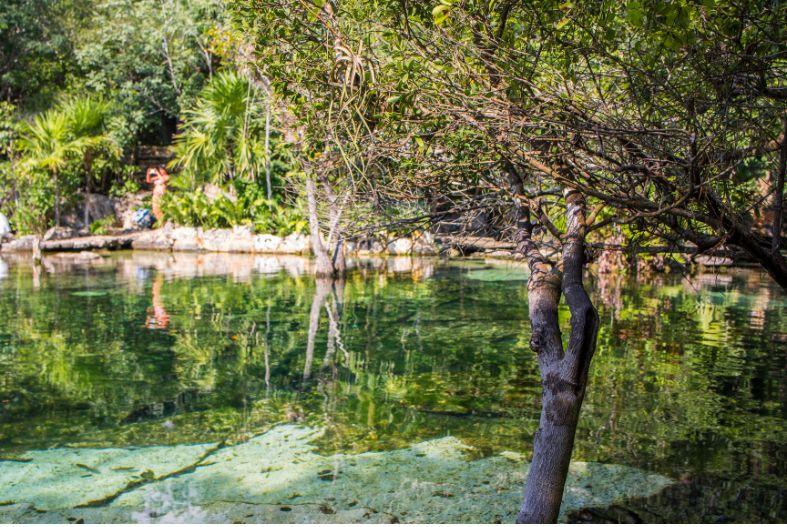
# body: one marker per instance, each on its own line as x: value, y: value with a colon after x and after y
x: 148, y: 349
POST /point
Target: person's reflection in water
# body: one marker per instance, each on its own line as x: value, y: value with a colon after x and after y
x: 157, y: 316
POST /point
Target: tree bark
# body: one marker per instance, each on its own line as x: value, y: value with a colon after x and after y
x: 739, y: 233
x: 88, y: 162
x: 563, y: 372
x: 57, y: 200
x: 323, y: 267
x: 778, y: 204
x: 268, y: 189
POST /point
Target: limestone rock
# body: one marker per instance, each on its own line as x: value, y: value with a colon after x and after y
x: 280, y: 477
x: 68, y: 477
x: 226, y: 240
x: 186, y: 239
x: 60, y: 233
x: 157, y: 240
x: 400, y: 246
x: 713, y: 261
x: 294, y: 244
x: 267, y: 243
x: 23, y: 244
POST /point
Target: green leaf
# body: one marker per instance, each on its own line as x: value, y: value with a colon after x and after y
x: 440, y: 13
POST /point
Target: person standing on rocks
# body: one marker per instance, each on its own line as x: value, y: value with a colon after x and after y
x: 159, y: 178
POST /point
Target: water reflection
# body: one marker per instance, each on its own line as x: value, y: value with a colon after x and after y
x: 689, y: 378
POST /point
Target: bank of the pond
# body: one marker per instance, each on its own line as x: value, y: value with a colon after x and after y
x: 242, y: 240
x: 194, y: 239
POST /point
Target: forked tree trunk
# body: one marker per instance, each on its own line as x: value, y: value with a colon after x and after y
x: 563, y: 372
x: 323, y: 267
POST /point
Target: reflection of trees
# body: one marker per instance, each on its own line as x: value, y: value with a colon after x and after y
x: 688, y: 378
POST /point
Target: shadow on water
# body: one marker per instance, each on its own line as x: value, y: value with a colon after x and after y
x: 152, y: 349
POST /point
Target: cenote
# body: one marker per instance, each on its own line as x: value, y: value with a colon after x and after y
x: 150, y: 387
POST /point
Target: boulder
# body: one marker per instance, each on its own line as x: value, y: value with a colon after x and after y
x: 126, y: 206
x: 98, y: 207
x: 401, y: 246
x: 267, y: 243
x: 60, y: 233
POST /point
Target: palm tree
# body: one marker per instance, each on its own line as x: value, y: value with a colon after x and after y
x: 73, y: 132
x: 221, y: 137
x: 46, y: 144
x: 87, y: 121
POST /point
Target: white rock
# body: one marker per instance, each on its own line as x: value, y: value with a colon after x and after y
x: 186, y: 239
x: 23, y: 244
x: 294, y: 244
x: 267, y: 243
x: 401, y: 246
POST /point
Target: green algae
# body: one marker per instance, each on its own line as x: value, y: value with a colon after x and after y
x: 280, y: 477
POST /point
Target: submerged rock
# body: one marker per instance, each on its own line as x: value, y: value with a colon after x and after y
x: 279, y: 477
x: 63, y: 478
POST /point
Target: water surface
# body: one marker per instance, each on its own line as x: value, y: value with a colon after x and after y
x: 157, y: 349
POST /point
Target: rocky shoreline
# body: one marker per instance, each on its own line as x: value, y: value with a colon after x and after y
x: 191, y: 239
x: 242, y: 240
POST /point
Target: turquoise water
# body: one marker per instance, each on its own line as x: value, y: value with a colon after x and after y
x: 152, y: 350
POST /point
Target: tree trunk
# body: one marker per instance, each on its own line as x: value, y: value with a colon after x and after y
x: 778, y: 203
x: 323, y: 267
x: 268, y: 189
x: 57, y: 200
x: 87, y: 197
x: 87, y: 205
x: 740, y: 233
x: 563, y: 373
